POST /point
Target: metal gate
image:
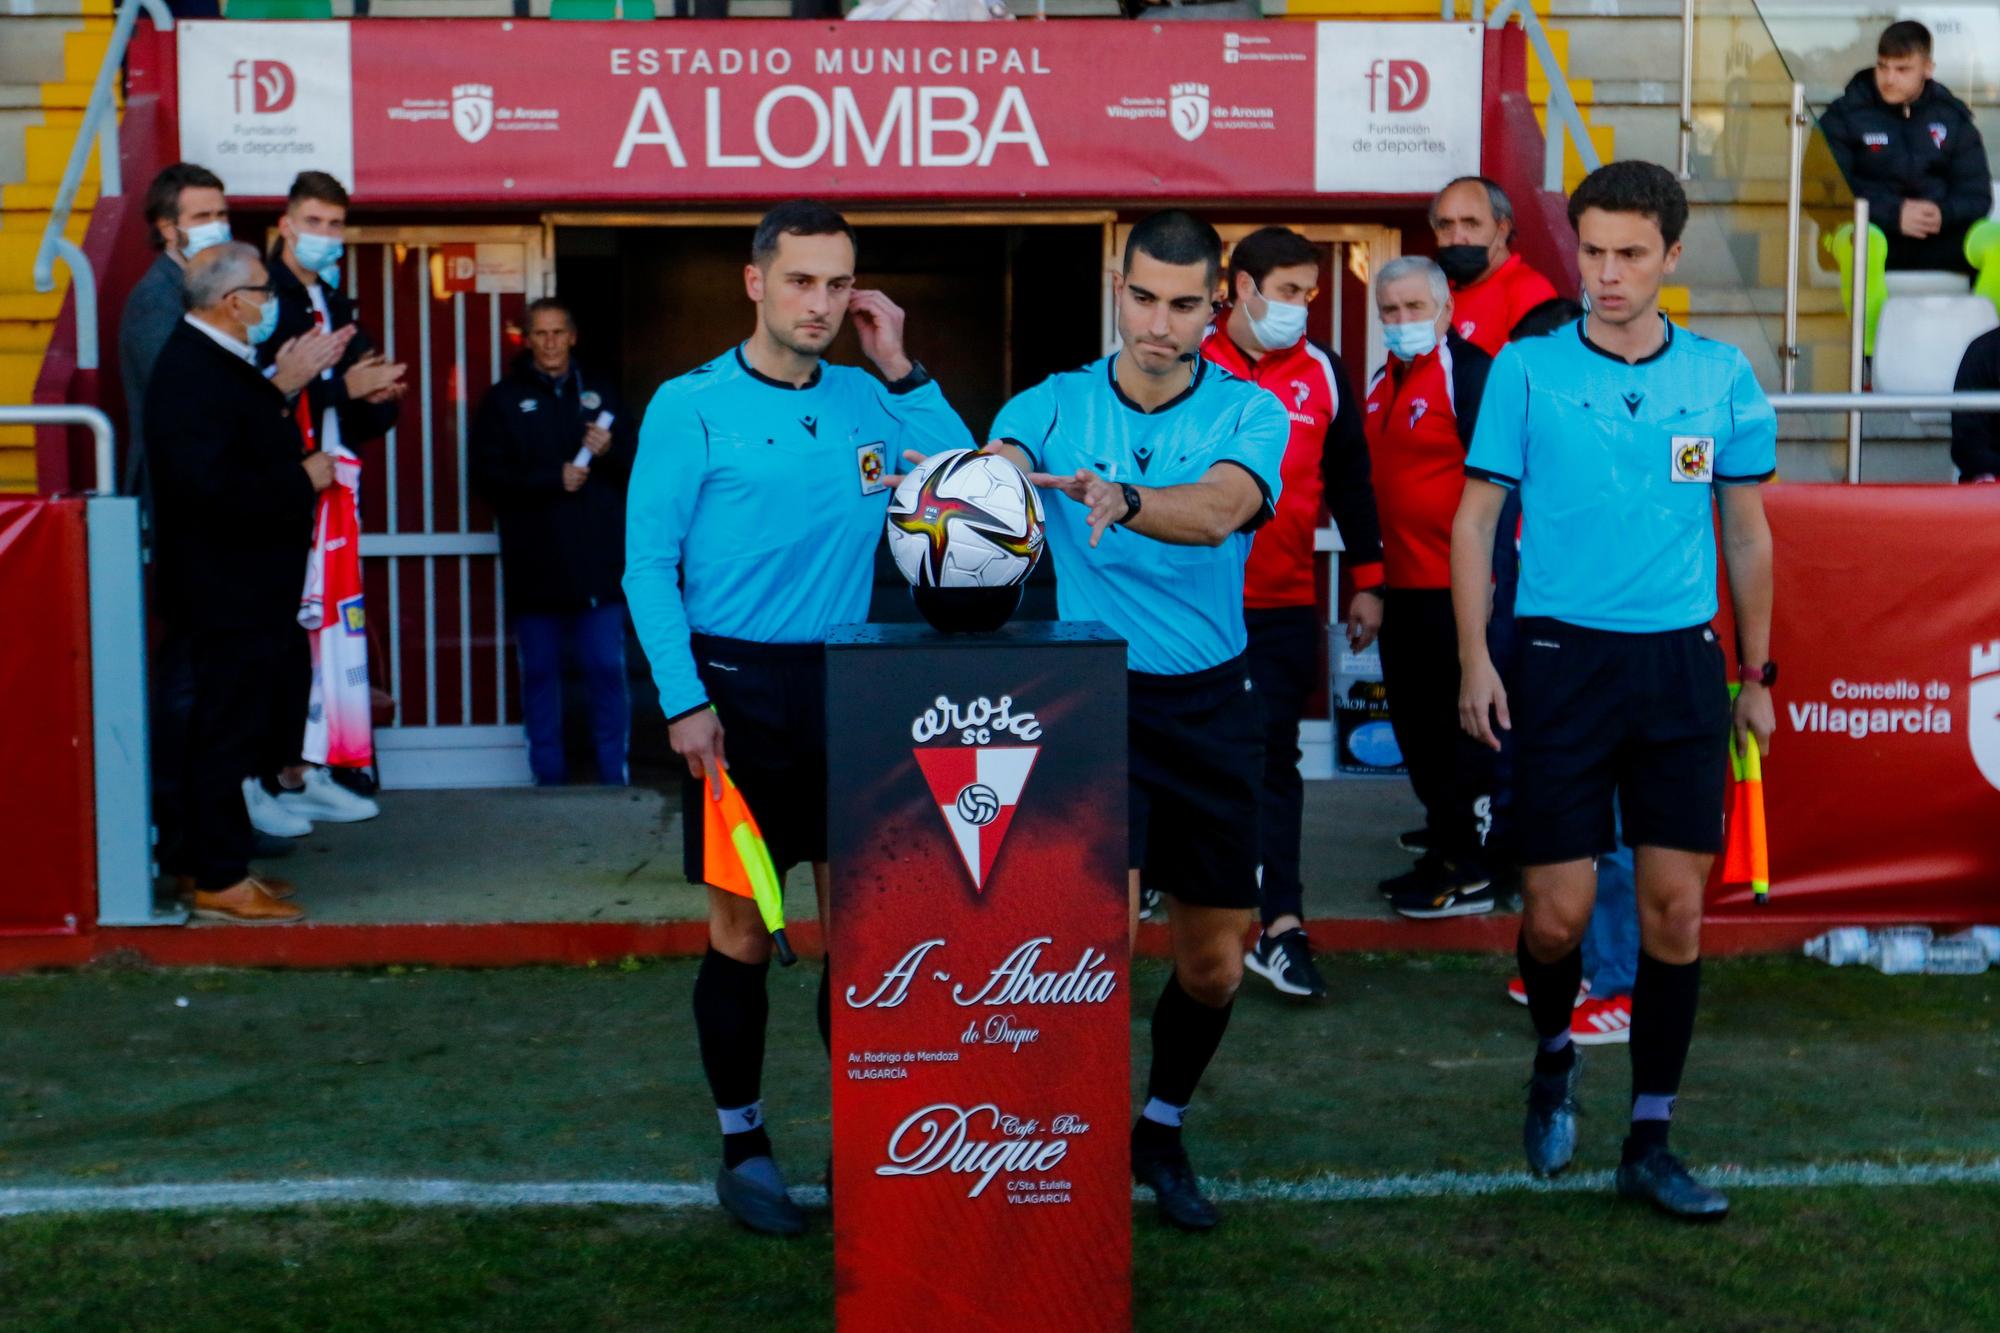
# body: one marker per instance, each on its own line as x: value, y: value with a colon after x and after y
x: 448, y: 302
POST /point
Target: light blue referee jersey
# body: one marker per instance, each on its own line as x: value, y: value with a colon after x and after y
x: 755, y: 506
x: 1617, y: 464
x: 1178, y: 608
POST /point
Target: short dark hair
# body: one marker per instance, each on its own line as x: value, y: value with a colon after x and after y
x: 1546, y: 318
x: 1906, y: 38
x: 1646, y: 188
x: 163, y: 196
x: 1175, y: 236
x: 1266, y: 249
x: 797, y: 217
x: 541, y: 303
x: 317, y: 186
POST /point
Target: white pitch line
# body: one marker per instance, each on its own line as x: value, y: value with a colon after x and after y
x: 269, y: 1194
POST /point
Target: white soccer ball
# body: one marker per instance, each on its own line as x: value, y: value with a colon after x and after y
x: 963, y: 519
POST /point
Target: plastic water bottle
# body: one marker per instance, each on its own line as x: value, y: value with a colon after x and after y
x: 1957, y: 955
x: 1988, y: 937
x: 1901, y: 951
x: 1839, y: 947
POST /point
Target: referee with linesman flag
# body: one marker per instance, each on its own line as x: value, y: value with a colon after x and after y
x: 1169, y: 462
x: 755, y: 506
x: 1621, y: 433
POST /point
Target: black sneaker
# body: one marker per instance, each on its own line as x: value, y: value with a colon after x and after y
x: 1427, y: 873
x: 1550, y: 1132
x: 1286, y: 962
x: 1175, y: 1187
x: 1658, y: 1177
x: 1457, y: 892
x: 1415, y: 840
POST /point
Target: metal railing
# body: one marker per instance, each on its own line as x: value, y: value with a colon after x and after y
x: 1565, y: 119
x: 73, y: 414
x: 99, y: 126
x: 1686, y: 167
x: 1788, y: 351
x: 1856, y: 404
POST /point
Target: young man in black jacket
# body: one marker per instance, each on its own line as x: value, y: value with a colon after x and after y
x: 1908, y: 146
x: 234, y: 508
x: 350, y: 404
x: 551, y: 451
x: 1975, y: 436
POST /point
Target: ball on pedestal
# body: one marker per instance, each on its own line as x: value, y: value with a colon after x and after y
x: 965, y: 529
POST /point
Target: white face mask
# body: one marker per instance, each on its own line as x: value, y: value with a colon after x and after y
x: 204, y: 235
x: 1281, y: 325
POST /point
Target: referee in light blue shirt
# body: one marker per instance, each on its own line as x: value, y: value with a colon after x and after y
x: 755, y: 506
x: 1169, y: 462
x: 1622, y: 433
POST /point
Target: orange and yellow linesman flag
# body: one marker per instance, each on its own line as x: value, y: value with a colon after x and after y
x: 1747, y: 857
x: 735, y: 860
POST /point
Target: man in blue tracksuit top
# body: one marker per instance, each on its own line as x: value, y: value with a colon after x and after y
x: 1622, y: 434
x: 755, y: 506
x: 1169, y: 462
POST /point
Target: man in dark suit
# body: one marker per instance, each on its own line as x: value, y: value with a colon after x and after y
x: 234, y: 509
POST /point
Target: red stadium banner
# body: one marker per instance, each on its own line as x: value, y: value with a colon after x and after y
x: 496, y: 112
x: 1882, y: 789
x: 981, y: 1018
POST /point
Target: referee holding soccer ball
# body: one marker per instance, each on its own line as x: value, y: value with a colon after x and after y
x: 755, y: 507
x: 1168, y: 462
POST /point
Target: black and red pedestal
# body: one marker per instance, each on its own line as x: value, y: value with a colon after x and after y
x: 980, y: 972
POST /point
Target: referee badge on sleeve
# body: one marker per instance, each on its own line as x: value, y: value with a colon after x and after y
x: 871, y: 462
x: 1694, y: 458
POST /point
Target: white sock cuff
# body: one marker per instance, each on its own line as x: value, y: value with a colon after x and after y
x: 741, y: 1119
x: 1163, y: 1113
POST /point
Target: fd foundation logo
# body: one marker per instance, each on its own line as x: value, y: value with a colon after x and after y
x: 272, y: 86
x: 976, y: 785
x: 1408, y: 83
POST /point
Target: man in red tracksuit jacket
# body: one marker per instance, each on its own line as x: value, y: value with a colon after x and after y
x: 1419, y: 418
x: 1272, y: 276
x: 1491, y: 286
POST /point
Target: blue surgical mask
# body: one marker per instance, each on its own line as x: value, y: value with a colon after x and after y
x: 316, y: 252
x: 267, y: 322
x: 1282, y: 325
x: 1412, y: 340
x: 203, y: 236
x: 330, y: 275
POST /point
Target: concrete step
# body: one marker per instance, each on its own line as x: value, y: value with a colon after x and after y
x: 48, y: 149
x: 36, y: 305
x: 31, y: 47
x: 41, y: 196
x: 25, y: 335
x: 56, y: 8
x: 33, y: 222
x: 17, y: 376
x: 17, y: 468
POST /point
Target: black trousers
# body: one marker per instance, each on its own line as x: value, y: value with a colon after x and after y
x: 1944, y: 252
x: 1451, y: 772
x: 220, y: 697
x: 1283, y: 655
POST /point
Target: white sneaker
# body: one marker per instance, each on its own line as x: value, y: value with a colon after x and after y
x: 323, y: 798
x: 270, y: 818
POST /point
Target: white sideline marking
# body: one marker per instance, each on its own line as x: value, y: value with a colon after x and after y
x: 269, y: 1194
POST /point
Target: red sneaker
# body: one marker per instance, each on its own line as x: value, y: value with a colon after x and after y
x: 1602, y: 1022
x: 1517, y: 991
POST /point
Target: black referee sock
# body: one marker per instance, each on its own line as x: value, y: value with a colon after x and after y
x: 1186, y: 1034
x: 1552, y: 991
x: 1664, y: 999
x: 731, y: 1012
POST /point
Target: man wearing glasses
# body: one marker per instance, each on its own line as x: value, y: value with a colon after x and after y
x: 234, y: 507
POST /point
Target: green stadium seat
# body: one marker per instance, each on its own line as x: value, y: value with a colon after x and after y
x: 600, y: 9
x: 277, y: 9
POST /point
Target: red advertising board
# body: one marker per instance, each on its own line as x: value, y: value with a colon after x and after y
x: 497, y: 112
x: 1882, y: 789
x: 981, y: 1020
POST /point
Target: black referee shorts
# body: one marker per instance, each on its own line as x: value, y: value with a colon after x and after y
x: 771, y: 698
x: 1196, y: 762
x: 1596, y: 713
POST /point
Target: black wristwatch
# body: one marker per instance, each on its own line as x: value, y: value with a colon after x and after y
x: 1766, y: 675
x: 916, y: 379
x: 1131, y: 502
